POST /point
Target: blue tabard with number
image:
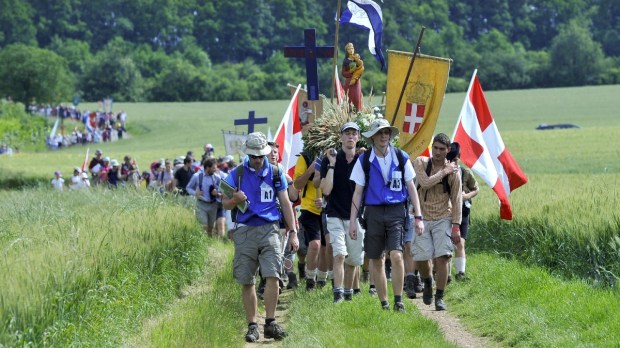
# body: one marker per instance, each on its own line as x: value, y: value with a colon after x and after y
x: 259, y: 188
x: 380, y: 191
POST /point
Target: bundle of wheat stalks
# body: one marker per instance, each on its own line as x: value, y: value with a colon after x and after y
x: 325, y: 131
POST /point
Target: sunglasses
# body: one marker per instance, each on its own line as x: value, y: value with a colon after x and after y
x: 255, y: 157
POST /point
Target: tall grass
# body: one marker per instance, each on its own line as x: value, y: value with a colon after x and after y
x: 520, y: 306
x: 71, y: 261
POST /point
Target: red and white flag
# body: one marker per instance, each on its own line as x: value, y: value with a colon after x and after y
x: 288, y: 136
x: 483, y: 150
x: 339, y: 88
x: 85, y: 163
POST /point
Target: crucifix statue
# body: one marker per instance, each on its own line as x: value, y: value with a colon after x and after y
x: 310, y: 52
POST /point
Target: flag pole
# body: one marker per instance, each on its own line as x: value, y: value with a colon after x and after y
x: 471, y: 83
x: 402, y: 91
x: 335, y: 51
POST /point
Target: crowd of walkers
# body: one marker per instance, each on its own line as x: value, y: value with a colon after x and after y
x: 359, y: 218
x: 346, y: 217
x: 98, y: 126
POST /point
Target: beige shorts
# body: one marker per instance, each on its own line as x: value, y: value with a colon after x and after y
x: 257, y: 246
x: 434, y: 242
x: 353, y: 250
x: 206, y: 213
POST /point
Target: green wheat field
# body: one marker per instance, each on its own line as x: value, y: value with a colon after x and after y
x: 132, y: 268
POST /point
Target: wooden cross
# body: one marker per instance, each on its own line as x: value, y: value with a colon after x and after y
x: 311, y: 52
x: 250, y: 121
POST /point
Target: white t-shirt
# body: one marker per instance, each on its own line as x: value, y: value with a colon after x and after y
x: 76, y: 182
x: 58, y: 183
x: 358, y: 176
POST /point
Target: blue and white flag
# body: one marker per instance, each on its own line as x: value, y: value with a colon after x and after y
x: 367, y: 14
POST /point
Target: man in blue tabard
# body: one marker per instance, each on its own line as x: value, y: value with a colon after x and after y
x: 384, y: 196
x: 256, y: 236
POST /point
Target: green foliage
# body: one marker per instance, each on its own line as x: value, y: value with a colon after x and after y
x: 576, y: 58
x: 29, y: 73
x: 113, y: 74
x: 18, y: 129
x: 514, y: 44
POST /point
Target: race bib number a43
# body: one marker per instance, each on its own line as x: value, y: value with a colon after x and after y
x: 396, y: 183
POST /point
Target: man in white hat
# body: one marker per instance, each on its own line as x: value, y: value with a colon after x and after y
x: 384, y: 179
x: 256, y: 236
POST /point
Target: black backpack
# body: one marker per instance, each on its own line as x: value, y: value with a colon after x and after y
x: 444, y: 180
x: 277, y: 183
x: 309, y: 162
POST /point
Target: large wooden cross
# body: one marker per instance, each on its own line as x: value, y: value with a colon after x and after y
x: 250, y: 121
x: 311, y: 52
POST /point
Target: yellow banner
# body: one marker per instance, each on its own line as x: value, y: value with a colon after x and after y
x: 419, y: 108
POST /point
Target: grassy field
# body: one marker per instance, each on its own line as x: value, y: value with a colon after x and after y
x: 86, y: 268
x: 168, y: 130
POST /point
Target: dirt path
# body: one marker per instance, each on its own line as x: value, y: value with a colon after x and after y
x: 281, y: 317
x: 451, y: 327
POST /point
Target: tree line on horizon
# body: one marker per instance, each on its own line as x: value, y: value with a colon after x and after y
x: 155, y: 50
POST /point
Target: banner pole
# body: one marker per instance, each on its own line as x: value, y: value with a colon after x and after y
x: 402, y: 91
x: 471, y: 82
x: 335, y: 52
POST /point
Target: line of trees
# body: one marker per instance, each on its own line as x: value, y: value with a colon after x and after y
x: 191, y: 50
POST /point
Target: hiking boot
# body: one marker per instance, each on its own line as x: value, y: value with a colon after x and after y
x: 460, y: 276
x: 252, y: 335
x: 399, y: 307
x: 409, y: 289
x: 292, y: 281
x: 310, y: 284
x: 427, y: 295
x: 320, y: 284
x: 439, y: 304
x: 348, y: 297
x: 418, y: 285
x: 274, y: 331
x: 338, y: 297
x: 372, y: 291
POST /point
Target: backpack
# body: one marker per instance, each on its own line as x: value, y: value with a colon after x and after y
x: 366, y: 168
x: 216, y: 183
x: 444, y: 180
x: 275, y: 175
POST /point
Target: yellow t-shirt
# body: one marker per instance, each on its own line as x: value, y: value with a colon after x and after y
x: 308, y: 193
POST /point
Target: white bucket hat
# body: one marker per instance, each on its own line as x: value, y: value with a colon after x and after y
x: 376, y: 126
x: 256, y: 145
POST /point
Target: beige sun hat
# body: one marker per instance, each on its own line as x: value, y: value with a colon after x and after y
x: 256, y: 145
x: 376, y: 126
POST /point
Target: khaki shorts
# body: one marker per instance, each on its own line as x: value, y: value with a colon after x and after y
x: 353, y: 250
x: 206, y: 213
x: 434, y: 242
x: 257, y: 246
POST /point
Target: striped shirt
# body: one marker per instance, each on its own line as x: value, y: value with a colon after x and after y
x: 435, y: 203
